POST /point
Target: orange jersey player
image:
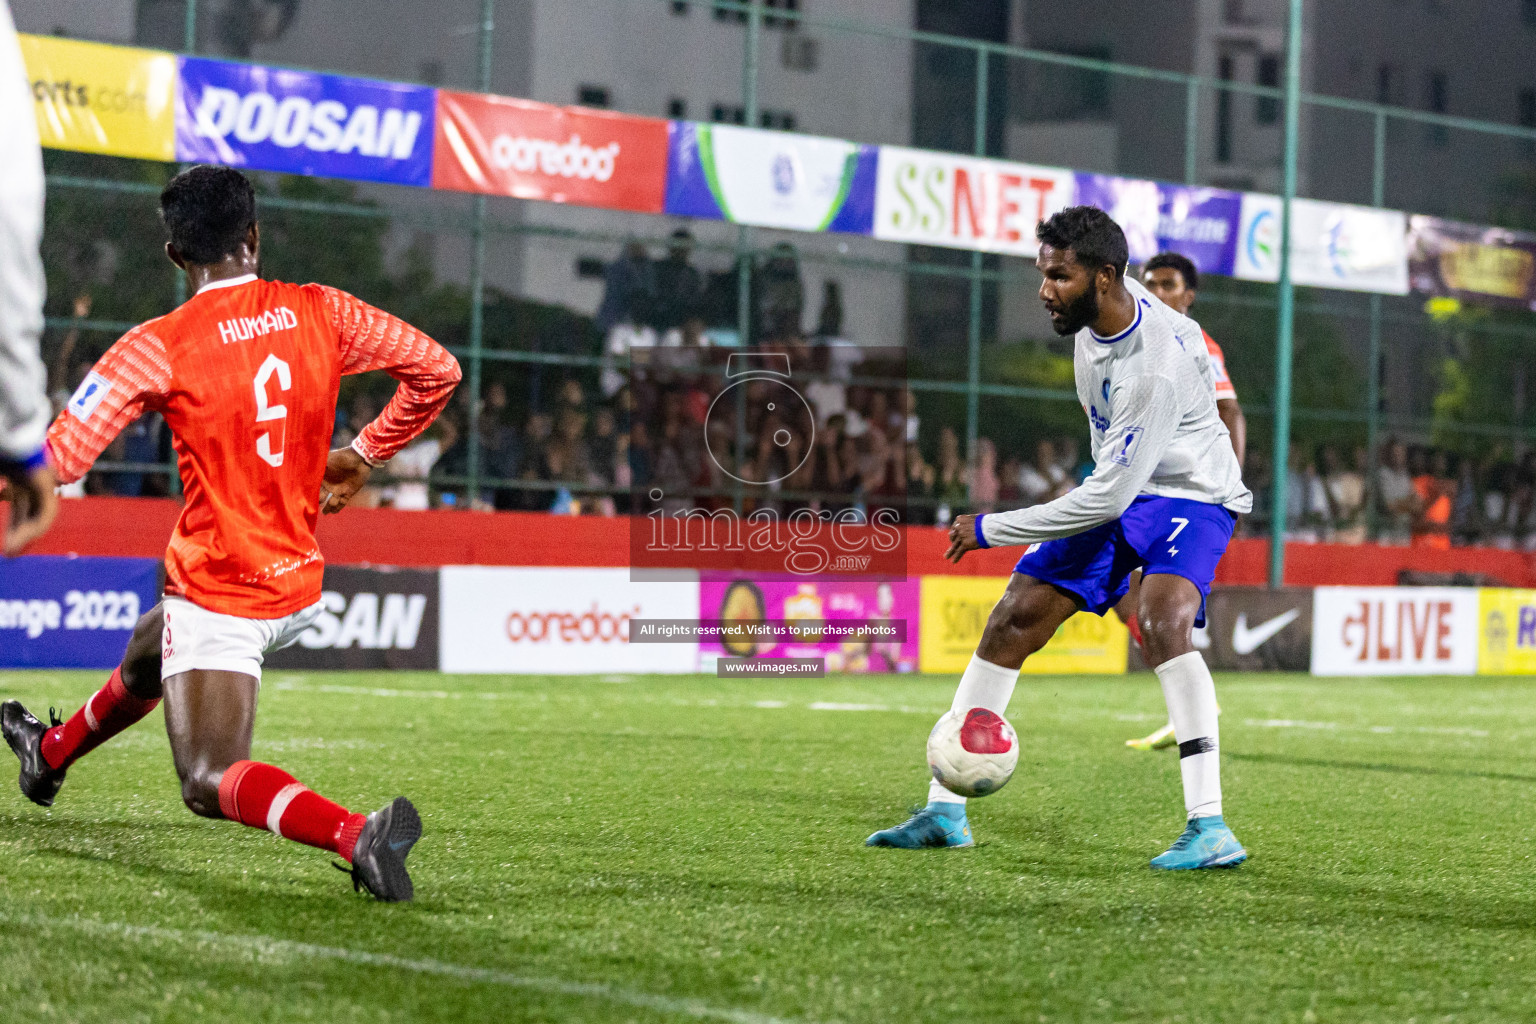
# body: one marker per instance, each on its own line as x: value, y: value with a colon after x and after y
x: 1173, y: 278
x: 246, y: 374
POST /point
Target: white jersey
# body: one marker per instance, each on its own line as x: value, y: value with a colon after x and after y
x: 24, y: 408
x: 1150, y: 396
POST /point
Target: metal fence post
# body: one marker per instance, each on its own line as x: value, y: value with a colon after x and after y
x: 1191, y: 131
x: 1373, y: 357
x: 1284, y: 334
x: 477, y: 278
x: 973, y: 334
x: 749, y: 110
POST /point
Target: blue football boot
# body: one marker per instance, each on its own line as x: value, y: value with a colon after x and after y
x: 1206, y: 843
x: 937, y: 825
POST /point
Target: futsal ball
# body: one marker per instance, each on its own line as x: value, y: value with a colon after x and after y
x: 973, y: 753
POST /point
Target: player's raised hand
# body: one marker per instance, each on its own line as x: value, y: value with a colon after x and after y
x: 34, y: 506
x: 345, y: 475
x: 962, y: 538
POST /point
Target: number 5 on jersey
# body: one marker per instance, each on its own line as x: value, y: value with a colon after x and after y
x: 267, y: 412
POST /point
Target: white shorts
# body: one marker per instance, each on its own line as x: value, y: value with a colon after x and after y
x: 196, y: 638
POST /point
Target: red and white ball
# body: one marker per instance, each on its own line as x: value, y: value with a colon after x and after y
x: 973, y: 752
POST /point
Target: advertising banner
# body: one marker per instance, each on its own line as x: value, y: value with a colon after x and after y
x: 529, y: 150
x: 497, y: 619
x: 102, y: 99
x: 1394, y: 631
x: 1200, y: 223
x: 966, y: 202
x: 742, y: 598
x: 1466, y: 261
x: 302, y: 122
x: 954, y: 613
x: 770, y: 179
x: 58, y: 612
x: 1252, y: 629
x: 373, y: 619
x: 1333, y: 245
x: 1506, y: 632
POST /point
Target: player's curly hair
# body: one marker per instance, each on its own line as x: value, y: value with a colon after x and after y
x: 1176, y: 261
x: 1093, y: 237
x: 207, y: 211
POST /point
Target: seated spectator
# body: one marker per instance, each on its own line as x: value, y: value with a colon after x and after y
x: 411, y: 467
x: 779, y: 296
x: 677, y: 288
x: 629, y: 289
x: 1306, y: 501
x: 1498, y: 506
x: 920, y: 482
x: 1524, y: 513
x: 1465, y: 528
x: 1344, y: 490
x: 1258, y: 479
x: 950, y: 478
x: 1043, y: 479
x: 1009, y: 493
x: 1395, y: 492
x: 984, y: 483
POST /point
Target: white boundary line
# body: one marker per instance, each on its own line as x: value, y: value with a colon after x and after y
x: 265, y: 945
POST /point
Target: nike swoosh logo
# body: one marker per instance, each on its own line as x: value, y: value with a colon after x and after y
x: 1246, y: 641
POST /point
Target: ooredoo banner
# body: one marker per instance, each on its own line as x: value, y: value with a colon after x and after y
x: 770, y: 179
x: 966, y: 202
x: 1333, y: 245
x: 303, y: 122
x: 805, y: 605
x: 954, y: 613
x: 1200, y: 223
x: 1468, y: 261
x: 1507, y: 632
x: 58, y: 612
x: 95, y: 98
x: 563, y: 621
x: 371, y: 619
x: 530, y: 150
x: 1385, y: 631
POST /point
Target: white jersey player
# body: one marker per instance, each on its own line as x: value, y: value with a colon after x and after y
x: 1163, y: 497
x: 24, y: 409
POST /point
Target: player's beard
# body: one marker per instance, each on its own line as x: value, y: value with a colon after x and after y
x: 1082, y: 311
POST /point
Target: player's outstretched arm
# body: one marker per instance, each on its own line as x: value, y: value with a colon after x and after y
x: 133, y: 375
x: 372, y: 339
x: 1146, y: 415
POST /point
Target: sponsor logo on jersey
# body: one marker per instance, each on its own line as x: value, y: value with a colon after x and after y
x: 1099, y: 420
x: 89, y: 395
x: 244, y: 328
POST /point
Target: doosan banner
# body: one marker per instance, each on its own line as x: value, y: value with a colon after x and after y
x: 1200, y: 223
x: 1333, y: 245
x: 534, y: 150
x: 770, y: 179
x: 966, y: 202
x: 302, y: 122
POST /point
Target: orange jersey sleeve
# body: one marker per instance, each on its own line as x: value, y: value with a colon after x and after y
x: 1224, y: 389
x: 133, y: 376
x: 372, y: 339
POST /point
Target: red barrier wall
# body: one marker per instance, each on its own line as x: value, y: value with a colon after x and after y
x: 139, y: 527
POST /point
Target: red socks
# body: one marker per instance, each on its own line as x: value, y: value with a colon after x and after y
x: 1135, y: 628
x: 109, y: 711
x: 262, y: 796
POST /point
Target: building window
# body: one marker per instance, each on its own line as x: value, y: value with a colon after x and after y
x: 783, y: 120
x: 430, y: 72
x: 1224, y: 113
x: 728, y: 113
x: 592, y: 95
x: 769, y: 19
x: 680, y: 8
x: 1526, y: 107
x: 1266, y: 109
x: 677, y: 107
x: 590, y: 268
x: 1436, y: 101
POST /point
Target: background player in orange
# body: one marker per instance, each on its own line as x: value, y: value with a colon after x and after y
x: 1174, y: 279
x: 246, y: 374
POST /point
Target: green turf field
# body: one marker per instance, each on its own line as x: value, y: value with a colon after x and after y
x: 664, y: 849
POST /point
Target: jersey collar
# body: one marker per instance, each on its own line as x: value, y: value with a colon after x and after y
x: 228, y: 282
x: 1123, y: 334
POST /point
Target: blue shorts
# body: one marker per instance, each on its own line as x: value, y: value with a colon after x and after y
x: 1176, y: 536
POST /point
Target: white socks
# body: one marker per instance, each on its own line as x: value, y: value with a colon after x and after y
x: 1191, y: 696
x: 984, y: 685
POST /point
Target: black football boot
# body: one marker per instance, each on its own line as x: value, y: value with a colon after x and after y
x: 378, y: 859
x: 39, y: 782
